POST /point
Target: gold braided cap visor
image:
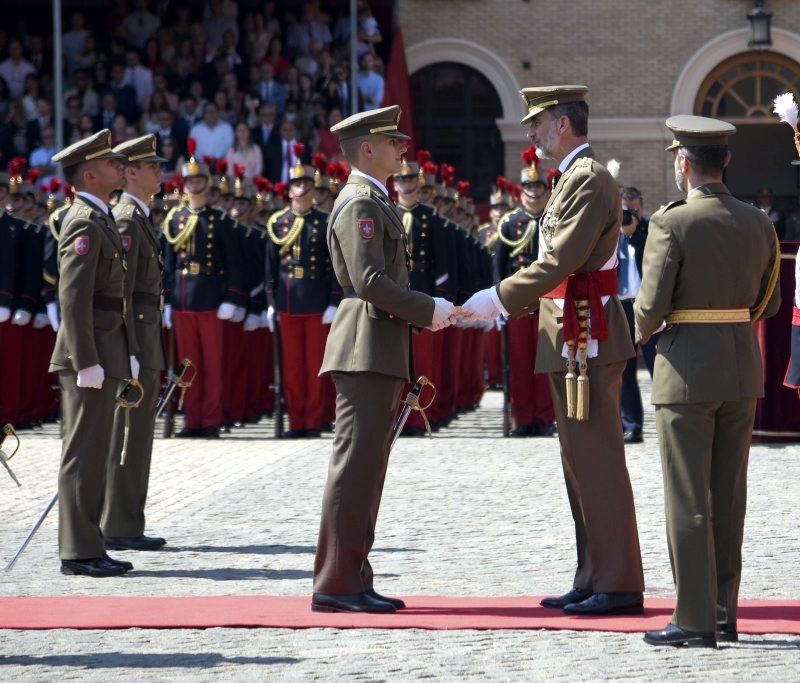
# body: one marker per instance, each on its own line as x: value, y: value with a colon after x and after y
x: 538, y: 99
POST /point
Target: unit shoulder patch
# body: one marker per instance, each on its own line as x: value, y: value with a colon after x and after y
x: 366, y: 228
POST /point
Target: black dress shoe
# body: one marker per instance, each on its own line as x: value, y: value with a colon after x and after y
x: 727, y: 633
x: 414, y: 431
x: 327, y: 426
x: 94, y: 567
x: 210, y: 433
x: 134, y: 542
x: 295, y: 434
x: 545, y: 429
x: 358, y: 602
x: 676, y: 637
x: 633, y: 436
x: 575, y: 595
x: 313, y: 433
x: 396, y: 602
x: 522, y: 430
x: 608, y: 603
x: 127, y: 566
x: 187, y: 433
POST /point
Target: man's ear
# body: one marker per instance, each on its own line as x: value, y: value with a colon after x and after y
x: 727, y: 159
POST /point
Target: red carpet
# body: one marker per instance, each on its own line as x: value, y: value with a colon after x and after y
x: 427, y: 612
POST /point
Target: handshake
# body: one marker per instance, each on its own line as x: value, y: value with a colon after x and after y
x: 483, y: 306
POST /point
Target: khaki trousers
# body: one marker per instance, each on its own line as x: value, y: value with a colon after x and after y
x: 88, y: 418
x: 598, y: 485
x: 704, y: 453
x: 366, y: 406
x: 126, y: 487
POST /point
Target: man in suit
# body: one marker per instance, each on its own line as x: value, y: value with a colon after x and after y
x: 710, y: 269
x: 123, y: 518
x: 581, y: 326
x: 124, y: 93
x: 369, y: 357
x: 266, y: 134
x: 269, y: 89
x: 91, y: 354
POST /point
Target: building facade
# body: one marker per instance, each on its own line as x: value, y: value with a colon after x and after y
x: 643, y: 62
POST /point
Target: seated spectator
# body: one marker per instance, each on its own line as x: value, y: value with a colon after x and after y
x: 164, y: 125
x: 217, y: 22
x: 370, y: 84
x: 266, y: 134
x: 258, y: 37
x: 328, y: 143
x: 44, y: 119
x: 109, y: 110
x: 119, y: 128
x: 292, y: 83
x: 315, y: 23
x: 270, y: 90
x: 181, y: 29
x: 214, y: 137
x: 86, y: 58
x: 228, y: 51
x: 83, y: 90
x: 160, y: 86
x: 36, y: 53
x: 152, y: 56
x: 325, y: 72
x: 86, y: 127
x: 72, y: 116
x: 230, y: 86
x: 171, y: 152
x: 276, y: 58
x: 30, y: 96
x: 308, y: 64
x: 199, y: 43
x: 297, y: 37
x: 41, y: 157
x: 185, y: 62
x: 140, y: 24
x: 224, y: 108
x: 100, y: 77
x: 185, y: 121
x: 139, y: 77
x: 123, y: 92
x: 73, y: 41
x: 245, y: 152
x: 15, y: 69
x: 369, y: 34
x: 167, y: 45
x: 149, y: 119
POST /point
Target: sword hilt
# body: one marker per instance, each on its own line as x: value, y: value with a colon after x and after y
x: 8, y: 430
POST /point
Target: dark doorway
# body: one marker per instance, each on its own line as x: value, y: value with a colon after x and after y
x: 455, y: 109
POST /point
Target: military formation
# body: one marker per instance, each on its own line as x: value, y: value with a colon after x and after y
x: 327, y: 296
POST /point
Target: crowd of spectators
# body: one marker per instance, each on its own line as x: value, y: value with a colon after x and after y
x: 245, y: 84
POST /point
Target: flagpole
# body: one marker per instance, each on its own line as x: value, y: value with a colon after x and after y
x: 58, y: 98
x: 353, y: 56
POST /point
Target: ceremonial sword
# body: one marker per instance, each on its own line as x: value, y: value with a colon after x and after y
x: 8, y: 430
x: 177, y: 379
x: 410, y: 403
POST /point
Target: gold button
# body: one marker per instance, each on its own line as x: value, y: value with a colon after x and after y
x: 116, y: 254
x: 141, y: 316
x: 391, y: 316
x: 422, y: 252
x: 313, y: 258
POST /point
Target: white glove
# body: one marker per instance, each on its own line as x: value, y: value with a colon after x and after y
x: 499, y: 322
x: 52, y: 315
x: 226, y: 311
x: 441, y: 314
x: 92, y: 377
x: 252, y: 322
x: 21, y: 318
x: 239, y: 314
x: 134, y: 367
x: 483, y: 305
x: 40, y: 320
x: 5, y: 314
x: 329, y: 315
x: 271, y: 319
x: 166, y: 317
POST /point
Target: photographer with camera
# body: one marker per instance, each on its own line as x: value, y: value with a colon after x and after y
x: 633, y: 234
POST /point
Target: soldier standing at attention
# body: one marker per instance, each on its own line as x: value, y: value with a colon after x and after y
x: 710, y: 268
x: 123, y: 518
x: 581, y: 327
x: 368, y: 354
x: 91, y: 354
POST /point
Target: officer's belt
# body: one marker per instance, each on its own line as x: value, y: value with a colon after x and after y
x: 197, y: 268
x: 146, y: 299
x: 108, y: 303
x: 709, y: 316
x: 349, y: 293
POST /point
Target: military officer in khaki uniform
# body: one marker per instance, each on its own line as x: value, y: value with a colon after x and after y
x: 709, y: 271
x: 582, y: 327
x: 368, y: 354
x: 91, y: 354
x: 123, y: 519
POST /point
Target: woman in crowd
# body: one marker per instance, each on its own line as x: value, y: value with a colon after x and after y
x: 246, y: 153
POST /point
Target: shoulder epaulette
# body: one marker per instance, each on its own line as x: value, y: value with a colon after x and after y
x: 670, y: 205
x: 126, y: 210
x: 363, y: 191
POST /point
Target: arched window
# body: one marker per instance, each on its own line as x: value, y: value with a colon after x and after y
x: 742, y: 88
x: 455, y: 110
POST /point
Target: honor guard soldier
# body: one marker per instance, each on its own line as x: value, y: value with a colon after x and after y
x: 204, y: 286
x: 517, y: 248
x: 369, y: 355
x: 711, y: 265
x: 123, y: 518
x: 91, y: 355
x: 302, y: 292
x: 426, y: 243
x: 581, y: 326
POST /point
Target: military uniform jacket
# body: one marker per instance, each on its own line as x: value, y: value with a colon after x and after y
x: 300, y: 281
x: 10, y: 229
x: 514, y: 226
x: 580, y: 227
x: 91, y: 293
x: 710, y: 251
x: 449, y: 288
x: 427, y: 245
x: 255, y: 246
x: 209, y: 267
x: 372, y: 329
x: 142, y: 283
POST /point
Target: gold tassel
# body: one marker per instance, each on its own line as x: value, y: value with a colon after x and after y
x: 582, y: 408
x: 571, y: 380
x: 582, y: 411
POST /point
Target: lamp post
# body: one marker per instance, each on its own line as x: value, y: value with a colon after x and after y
x: 759, y: 19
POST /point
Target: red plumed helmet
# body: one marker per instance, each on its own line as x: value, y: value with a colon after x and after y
x: 318, y: 161
x: 462, y: 188
x: 553, y: 174
x: 424, y: 157
x: 16, y: 166
x: 238, y: 171
x: 530, y: 157
x: 191, y: 146
x: 298, y: 149
x: 430, y: 168
x: 332, y: 169
x: 55, y: 185
x: 69, y: 191
x: 263, y: 185
x: 169, y: 187
x: 33, y: 176
x: 208, y: 160
x: 501, y: 183
x: 281, y: 188
x: 221, y: 166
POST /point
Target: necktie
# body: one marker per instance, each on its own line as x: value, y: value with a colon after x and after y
x: 622, y: 270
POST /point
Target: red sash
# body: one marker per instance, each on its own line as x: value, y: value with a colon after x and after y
x: 589, y: 286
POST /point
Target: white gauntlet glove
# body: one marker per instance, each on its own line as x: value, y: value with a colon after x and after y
x: 91, y: 377
x: 441, y: 314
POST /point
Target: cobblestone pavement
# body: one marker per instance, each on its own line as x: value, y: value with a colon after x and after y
x: 467, y: 513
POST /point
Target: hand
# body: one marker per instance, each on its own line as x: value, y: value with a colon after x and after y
x: 442, y: 314
x: 21, y: 317
x: 481, y: 306
x: 271, y: 319
x: 252, y: 322
x: 5, y: 314
x: 91, y: 377
x: 166, y: 317
x: 226, y: 311
x: 39, y: 321
x: 52, y: 315
x: 134, y: 368
x: 239, y: 314
x: 329, y: 315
